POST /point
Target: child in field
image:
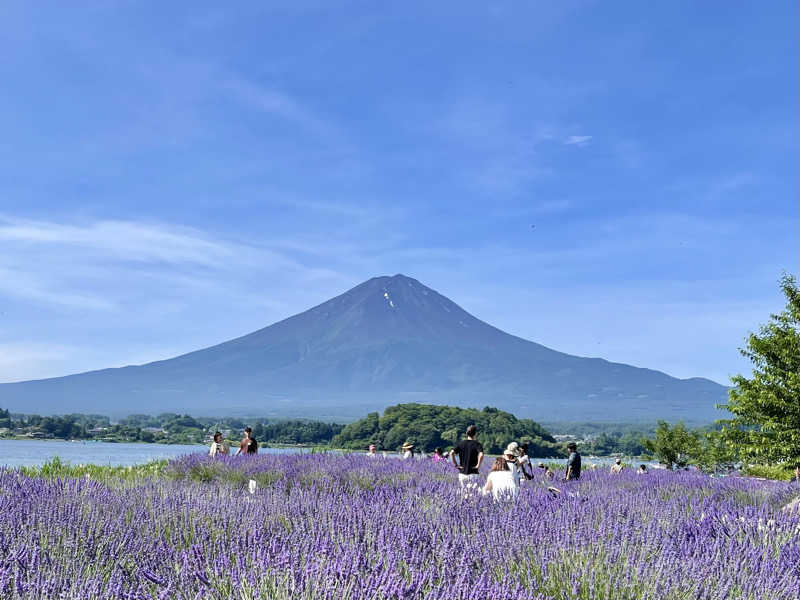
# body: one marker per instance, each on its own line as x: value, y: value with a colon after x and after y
x: 438, y: 455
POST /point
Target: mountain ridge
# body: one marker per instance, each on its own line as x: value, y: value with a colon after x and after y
x: 387, y: 340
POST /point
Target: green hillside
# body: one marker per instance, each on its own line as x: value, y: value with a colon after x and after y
x: 428, y: 426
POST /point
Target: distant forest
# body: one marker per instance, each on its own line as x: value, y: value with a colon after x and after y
x: 428, y: 426
x: 166, y: 428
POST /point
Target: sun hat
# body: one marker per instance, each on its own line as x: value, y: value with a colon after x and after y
x: 512, y: 449
x: 408, y: 445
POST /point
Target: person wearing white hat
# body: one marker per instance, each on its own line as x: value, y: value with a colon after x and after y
x: 511, y: 455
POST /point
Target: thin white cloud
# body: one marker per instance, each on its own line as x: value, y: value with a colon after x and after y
x: 139, y: 242
x: 29, y: 285
x: 108, y: 265
x: 578, y: 140
x: 280, y: 104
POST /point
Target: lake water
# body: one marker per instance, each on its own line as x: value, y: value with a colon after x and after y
x: 28, y: 453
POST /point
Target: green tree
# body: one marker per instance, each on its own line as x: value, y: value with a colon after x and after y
x: 673, y: 446
x: 428, y: 426
x: 713, y: 453
x: 766, y: 407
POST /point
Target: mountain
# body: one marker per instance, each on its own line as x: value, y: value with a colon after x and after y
x: 387, y: 341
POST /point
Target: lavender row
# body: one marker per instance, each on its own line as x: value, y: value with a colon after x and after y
x: 351, y: 528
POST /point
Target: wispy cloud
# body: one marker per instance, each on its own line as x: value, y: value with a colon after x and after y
x: 280, y: 104
x: 122, y: 240
x: 104, y: 265
x: 578, y: 140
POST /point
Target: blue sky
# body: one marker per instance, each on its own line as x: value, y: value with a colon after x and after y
x: 173, y: 175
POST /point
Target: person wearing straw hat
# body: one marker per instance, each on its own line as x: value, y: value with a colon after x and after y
x: 408, y: 450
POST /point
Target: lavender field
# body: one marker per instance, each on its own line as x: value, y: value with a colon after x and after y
x: 347, y: 528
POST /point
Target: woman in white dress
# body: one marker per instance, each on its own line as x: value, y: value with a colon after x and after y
x: 500, y: 482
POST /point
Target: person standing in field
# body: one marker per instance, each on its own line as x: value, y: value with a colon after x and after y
x: 573, y: 462
x: 371, y: 451
x: 470, y: 457
x: 524, y: 462
x: 617, y: 467
x: 249, y: 444
x: 438, y: 455
x: 408, y: 450
x: 218, y: 447
x: 511, y: 456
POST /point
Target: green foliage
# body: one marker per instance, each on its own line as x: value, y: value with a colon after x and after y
x: 296, y: 432
x: 712, y: 453
x: 630, y: 443
x: 766, y: 407
x: 169, y: 428
x: 780, y: 472
x: 673, y: 446
x: 428, y: 426
x: 582, y: 429
x: 56, y: 468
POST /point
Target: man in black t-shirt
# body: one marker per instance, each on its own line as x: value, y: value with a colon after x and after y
x: 470, y: 457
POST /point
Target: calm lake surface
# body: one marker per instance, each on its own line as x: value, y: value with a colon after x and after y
x: 28, y: 453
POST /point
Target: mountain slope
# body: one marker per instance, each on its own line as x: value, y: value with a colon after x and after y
x: 388, y: 340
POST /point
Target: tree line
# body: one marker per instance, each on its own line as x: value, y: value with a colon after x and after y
x: 169, y: 428
x: 428, y: 426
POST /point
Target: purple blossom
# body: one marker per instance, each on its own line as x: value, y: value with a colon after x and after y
x: 352, y: 528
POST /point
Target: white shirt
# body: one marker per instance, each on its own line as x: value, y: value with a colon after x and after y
x: 516, y: 472
x: 503, y: 485
x: 217, y: 449
x: 406, y: 454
